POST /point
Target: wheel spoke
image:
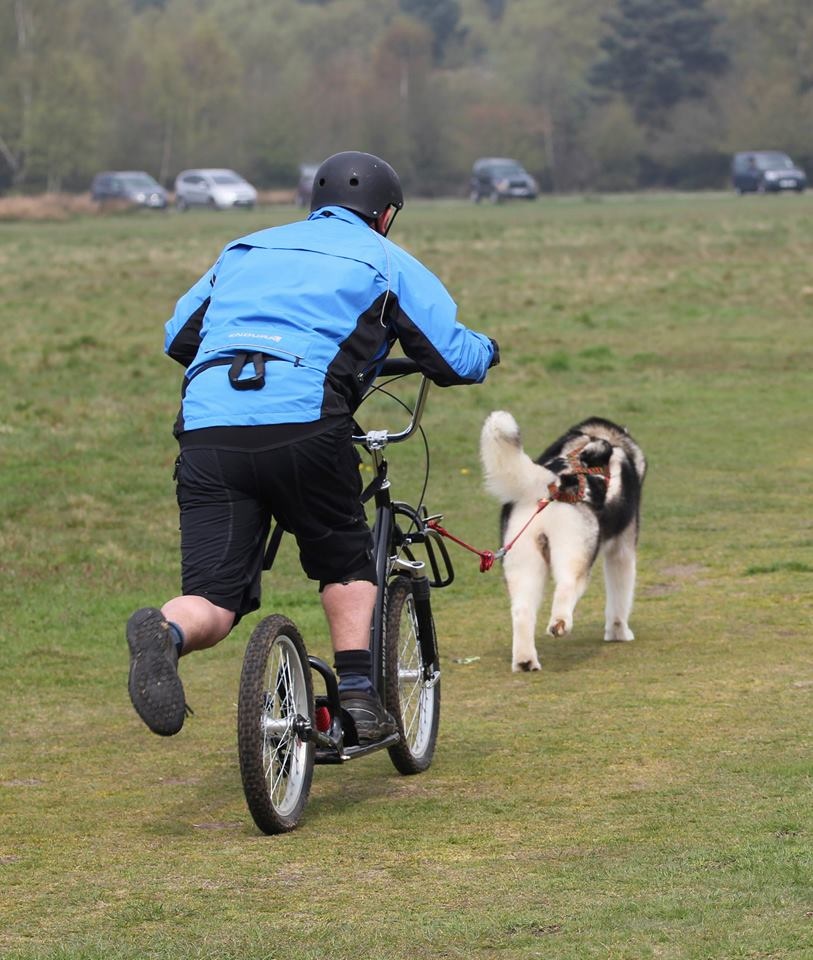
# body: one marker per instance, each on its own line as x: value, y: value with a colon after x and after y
x: 283, y: 760
x: 413, y: 694
x: 413, y: 702
x: 276, y: 764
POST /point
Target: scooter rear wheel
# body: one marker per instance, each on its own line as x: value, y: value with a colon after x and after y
x: 275, y: 705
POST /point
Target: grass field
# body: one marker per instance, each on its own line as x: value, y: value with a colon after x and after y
x: 643, y: 800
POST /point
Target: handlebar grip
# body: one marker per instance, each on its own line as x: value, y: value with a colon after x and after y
x: 393, y: 366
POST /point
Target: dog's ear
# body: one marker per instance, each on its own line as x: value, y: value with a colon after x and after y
x: 597, y: 453
x: 556, y: 465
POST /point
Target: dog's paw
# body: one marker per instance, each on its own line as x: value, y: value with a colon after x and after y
x: 618, y: 633
x: 526, y: 666
x: 558, y: 627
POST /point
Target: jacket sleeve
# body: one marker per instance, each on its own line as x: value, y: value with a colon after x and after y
x: 430, y: 333
x: 182, y: 330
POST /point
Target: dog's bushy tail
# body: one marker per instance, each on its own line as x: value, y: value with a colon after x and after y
x: 510, y: 474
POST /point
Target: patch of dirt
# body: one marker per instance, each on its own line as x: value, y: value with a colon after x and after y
x: 684, y: 571
x: 217, y: 825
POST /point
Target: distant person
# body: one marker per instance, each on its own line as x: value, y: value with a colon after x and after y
x: 281, y: 339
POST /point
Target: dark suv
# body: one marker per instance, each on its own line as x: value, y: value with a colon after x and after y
x: 132, y: 186
x: 500, y: 178
x: 762, y: 171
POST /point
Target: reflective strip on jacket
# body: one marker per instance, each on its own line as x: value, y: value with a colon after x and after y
x: 326, y: 298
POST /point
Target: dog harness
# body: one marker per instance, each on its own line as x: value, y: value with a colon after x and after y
x: 555, y: 493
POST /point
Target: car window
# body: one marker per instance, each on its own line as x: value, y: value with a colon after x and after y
x: 143, y: 180
x: 504, y: 168
x: 773, y: 161
x: 507, y: 170
x: 226, y: 178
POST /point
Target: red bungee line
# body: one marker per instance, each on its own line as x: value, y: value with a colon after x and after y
x: 487, y: 557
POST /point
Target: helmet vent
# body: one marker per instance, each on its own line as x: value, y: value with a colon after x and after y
x: 354, y: 181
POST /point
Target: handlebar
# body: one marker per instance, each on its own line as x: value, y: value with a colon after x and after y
x: 397, y: 366
x: 378, y: 439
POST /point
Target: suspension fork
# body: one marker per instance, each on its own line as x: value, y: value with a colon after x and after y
x: 383, y: 551
x: 382, y: 542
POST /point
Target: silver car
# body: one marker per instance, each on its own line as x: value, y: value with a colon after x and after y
x: 216, y: 188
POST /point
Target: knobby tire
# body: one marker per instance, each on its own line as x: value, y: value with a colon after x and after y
x: 276, y: 766
x: 414, y: 707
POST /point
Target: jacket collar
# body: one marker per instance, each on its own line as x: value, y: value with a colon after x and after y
x: 341, y: 213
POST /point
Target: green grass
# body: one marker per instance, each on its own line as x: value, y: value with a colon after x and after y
x: 644, y: 800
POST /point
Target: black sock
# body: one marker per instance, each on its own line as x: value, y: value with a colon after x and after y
x: 177, y: 636
x: 355, y: 670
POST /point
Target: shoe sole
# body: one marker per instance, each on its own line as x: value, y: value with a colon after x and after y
x: 154, y: 685
x: 366, y: 736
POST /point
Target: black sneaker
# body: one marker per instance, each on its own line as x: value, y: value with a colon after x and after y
x: 155, y: 687
x: 372, y: 721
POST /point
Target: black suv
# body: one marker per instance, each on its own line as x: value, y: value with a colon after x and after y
x: 500, y: 178
x: 133, y: 186
x: 766, y: 171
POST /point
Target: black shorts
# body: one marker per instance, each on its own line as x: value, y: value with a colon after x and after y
x: 228, y: 498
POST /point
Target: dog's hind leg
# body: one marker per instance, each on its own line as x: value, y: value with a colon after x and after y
x: 570, y: 585
x: 619, y: 581
x: 572, y: 552
x: 525, y: 572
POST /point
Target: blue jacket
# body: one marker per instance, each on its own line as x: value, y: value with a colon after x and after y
x: 324, y: 299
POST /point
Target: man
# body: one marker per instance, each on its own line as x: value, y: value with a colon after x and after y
x: 281, y: 339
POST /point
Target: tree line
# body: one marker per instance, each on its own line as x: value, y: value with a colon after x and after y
x: 588, y: 94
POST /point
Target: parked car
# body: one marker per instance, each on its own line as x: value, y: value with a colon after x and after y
x: 216, y: 188
x: 134, y: 186
x: 500, y: 178
x: 761, y: 171
x: 304, y: 187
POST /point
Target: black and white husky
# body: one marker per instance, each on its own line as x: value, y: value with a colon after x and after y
x: 593, y: 476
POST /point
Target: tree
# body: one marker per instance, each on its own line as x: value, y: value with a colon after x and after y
x: 495, y: 8
x: 406, y: 118
x: 16, y: 70
x: 441, y: 16
x: 542, y: 55
x: 767, y: 95
x: 66, y: 120
x: 658, y: 53
x: 53, y: 114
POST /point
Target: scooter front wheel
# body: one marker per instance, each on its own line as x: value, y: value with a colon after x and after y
x: 413, y: 702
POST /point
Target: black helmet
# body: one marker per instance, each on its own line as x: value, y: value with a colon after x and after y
x: 360, y: 182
